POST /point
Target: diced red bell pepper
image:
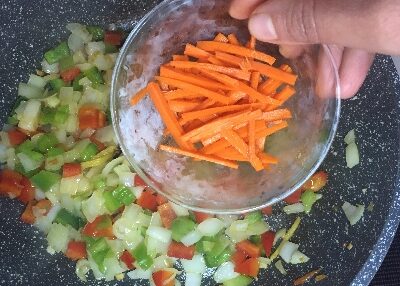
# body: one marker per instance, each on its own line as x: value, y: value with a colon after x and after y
x: 249, y: 267
x: 179, y: 250
x: 76, y: 250
x: 200, y: 217
x: 167, y: 214
x: 147, y: 200
x: 138, y: 181
x: 100, y: 227
x: 267, y: 210
x: 11, y: 183
x: 16, y: 137
x: 70, y: 74
x: 27, y: 191
x: 27, y: 216
x: 91, y: 117
x: 43, y: 205
x: 249, y: 248
x: 238, y: 257
x: 164, y: 278
x: 161, y: 199
x: 128, y: 259
x: 100, y: 146
x: 71, y: 170
x: 316, y: 182
x: 294, y: 198
x: 113, y: 38
x: 267, y: 239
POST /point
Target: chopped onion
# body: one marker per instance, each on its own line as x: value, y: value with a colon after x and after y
x: 27, y: 163
x: 112, y: 180
x: 106, y: 135
x: 3, y: 153
x: 279, y: 234
x: 54, y: 163
x: 210, y: 227
x: 155, y: 220
x: 81, y: 269
x: 156, y: 246
x: 352, y: 155
x: 79, y: 30
x: 257, y: 228
x: 37, y: 81
x: 94, y: 206
x: 196, y: 265
x: 350, y: 137
x: 70, y: 185
x: 237, y: 231
x: 193, y: 279
x: 85, y: 82
x: 111, y: 165
x: 58, y: 237
x: 294, y: 208
x: 159, y: 233
x: 228, y: 219
x: 137, y: 191
x: 299, y: 257
x: 5, y: 141
x: 93, y: 47
x: 191, y: 238
x: 179, y: 211
x: 30, y: 116
x: 43, y: 223
x: 79, y: 57
x: 162, y: 262
x: 139, y: 274
x: 29, y: 91
x: 39, y: 195
x: 280, y: 268
x: 287, y: 250
x: 95, y: 269
x: 11, y: 158
x: 75, y: 43
x: 353, y: 213
x: 49, y: 68
x: 51, y: 101
x: 112, y: 268
x: 101, y: 61
x: 225, y: 272
x: 264, y: 262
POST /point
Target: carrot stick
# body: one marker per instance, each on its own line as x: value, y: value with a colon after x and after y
x: 211, y: 46
x: 233, y: 40
x: 237, y: 73
x: 273, y: 72
x: 222, y: 78
x: 252, y: 43
x: 269, y: 86
x: 196, y: 155
x: 196, y: 52
x: 213, y: 60
x: 267, y: 159
x: 190, y: 78
x: 139, y: 96
x: 278, y: 114
x: 243, y: 63
x: 221, y: 38
x: 235, y: 95
x: 167, y: 115
x: 182, y: 105
x: 286, y: 93
x: 271, y: 130
x: 255, y: 80
x: 181, y: 94
x: 253, y: 158
x: 236, y: 141
x: 230, y: 153
x: 187, y: 86
x: 182, y: 58
x: 256, y: 96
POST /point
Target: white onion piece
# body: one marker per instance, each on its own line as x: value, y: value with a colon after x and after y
x: 137, y: 191
x: 27, y: 163
x: 279, y: 234
x: 113, y: 268
x: 227, y: 219
x: 111, y: 165
x: 39, y: 195
x: 38, y: 81
x: 191, y: 238
x: 159, y: 233
x: 353, y: 213
x: 75, y: 43
x: 287, y: 250
x: 179, y: 211
x: 93, y: 47
x: 30, y: 116
x: 225, y: 272
x: 139, y: 274
x: 294, y: 208
x: 264, y: 262
x: 155, y: 220
x: 195, y: 265
x: 58, y: 237
x: 82, y: 268
x: 193, y: 279
x: 162, y: 262
x: 210, y: 227
x: 352, y: 155
x: 43, y: 223
x: 299, y: 257
x: 280, y: 268
x: 106, y: 135
x: 49, y: 68
x: 79, y: 30
x: 29, y: 91
x: 350, y: 137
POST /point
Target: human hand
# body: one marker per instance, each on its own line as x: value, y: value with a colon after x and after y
x: 354, y: 31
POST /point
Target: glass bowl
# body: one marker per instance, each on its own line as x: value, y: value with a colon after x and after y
x: 200, y: 185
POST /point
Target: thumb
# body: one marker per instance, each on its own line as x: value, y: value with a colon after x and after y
x: 355, y: 24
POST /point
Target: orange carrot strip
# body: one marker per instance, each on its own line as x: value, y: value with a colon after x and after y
x: 252, y: 43
x: 167, y: 115
x: 230, y: 153
x: 235, y: 95
x: 164, y: 87
x: 190, y: 78
x: 181, y: 94
x: 271, y: 85
x: 255, y: 80
x: 256, y: 96
x: 253, y: 157
x: 193, y: 125
x: 285, y: 94
x: 278, y: 114
x: 271, y: 130
x: 233, y: 40
x: 182, y: 58
x: 243, y: 63
x: 260, y: 143
x: 196, y: 52
x: 211, y: 46
x: 213, y: 60
x: 273, y: 72
x: 221, y: 38
x: 267, y: 159
x: 206, y: 104
x: 216, y: 110
x: 187, y: 86
x: 139, y: 96
x: 237, y: 73
x: 197, y: 155
x: 236, y: 141
x: 223, y: 78
x: 182, y: 105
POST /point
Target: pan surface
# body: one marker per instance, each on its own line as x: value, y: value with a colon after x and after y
x: 28, y: 28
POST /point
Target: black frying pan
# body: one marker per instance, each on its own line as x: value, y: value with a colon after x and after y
x: 28, y: 28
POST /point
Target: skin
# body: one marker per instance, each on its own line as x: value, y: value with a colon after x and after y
x: 353, y: 30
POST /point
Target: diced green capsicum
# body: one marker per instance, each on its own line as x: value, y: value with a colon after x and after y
x: 308, y: 198
x: 111, y: 203
x: 89, y: 151
x: 56, y: 84
x: 98, y: 250
x: 110, y: 49
x: 55, y: 151
x: 123, y: 195
x: 96, y: 32
x: 75, y: 82
x: 180, y: 227
x: 45, y: 180
x: 54, y: 55
x: 239, y: 281
x: 33, y: 155
x: 66, y: 218
x: 94, y: 75
x: 61, y: 114
x: 254, y: 217
x: 66, y: 63
x: 141, y: 256
x: 46, y: 142
x: 27, y: 145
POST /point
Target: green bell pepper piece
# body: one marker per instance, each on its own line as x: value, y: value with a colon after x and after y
x: 57, y: 84
x: 111, y: 203
x: 20, y: 169
x: 99, y: 182
x: 54, y: 55
x: 94, y: 75
x: 64, y: 217
x: 27, y: 145
x: 12, y: 120
x: 98, y: 250
x: 254, y: 217
x: 45, y: 180
x: 66, y: 63
x: 75, y: 82
x: 308, y: 198
x: 238, y: 281
x: 96, y: 32
x: 55, y: 151
x: 33, y: 155
x: 141, y: 256
x: 61, y: 114
x: 88, y: 153
x: 123, y: 195
x: 180, y: 227
x: 216, y: 260
x: 46, y: 142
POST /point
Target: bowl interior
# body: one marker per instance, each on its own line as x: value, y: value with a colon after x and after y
x: 201, y: 185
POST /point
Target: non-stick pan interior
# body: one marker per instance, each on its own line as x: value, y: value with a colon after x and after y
x: 28, y: 28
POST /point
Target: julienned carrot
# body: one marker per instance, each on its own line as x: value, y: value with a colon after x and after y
x: 167, y: 115
x: 230, y: 153
x: 255, y: 80
x: 213, y: 60
x: 236, y: 141
x: 273, y: 72
x: 256, y: 96
x: 196, y: 52
x: 211, y: 46
x: 267, y: 159
x: 233, y: 40
x: 222, y: 78
x: 205, y: 92
x: 182, y: 58
x: 278, y: 114
x: 270, y: 86
x: 139, y: 96
x: 236, y: 95
x: 237, y: 73
x: 271, y: 130
x: 181, y: 94
x: 286, y: 93
x: 199, y: 156
x: 252, y: 43
x: 183, y: 105
x: 221, y: 38
x: 191, y: 78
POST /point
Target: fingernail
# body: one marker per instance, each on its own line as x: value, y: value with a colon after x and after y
x: 262, y: 27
